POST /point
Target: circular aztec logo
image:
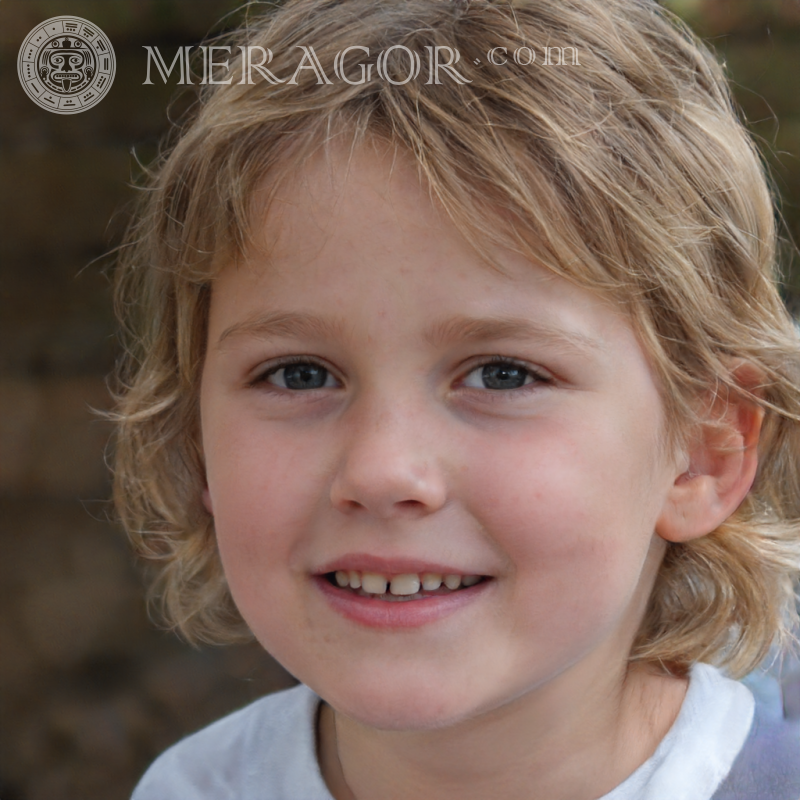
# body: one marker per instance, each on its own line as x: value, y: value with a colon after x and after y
x: 66, y: 65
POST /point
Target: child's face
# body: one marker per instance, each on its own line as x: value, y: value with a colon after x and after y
x: 400, y: 448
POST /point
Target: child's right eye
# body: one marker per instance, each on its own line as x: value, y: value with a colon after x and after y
x: 298, y: 376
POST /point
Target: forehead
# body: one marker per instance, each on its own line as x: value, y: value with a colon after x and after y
x: 366, y: 201
x: 354, y: 244
x: 374, y: 186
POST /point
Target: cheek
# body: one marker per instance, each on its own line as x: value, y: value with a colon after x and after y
x: 264, y: 490
x: 569, y: 512
x: 539, y: 486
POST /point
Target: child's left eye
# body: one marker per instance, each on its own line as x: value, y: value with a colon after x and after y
x: 503, y: 374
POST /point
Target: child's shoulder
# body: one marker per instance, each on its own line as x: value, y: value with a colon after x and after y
x: 266, y: 749
x: 768, y: 764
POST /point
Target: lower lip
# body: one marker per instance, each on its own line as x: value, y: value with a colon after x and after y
x: 408, y: 614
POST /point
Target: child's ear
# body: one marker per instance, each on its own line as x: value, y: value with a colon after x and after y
x: 722, y: 460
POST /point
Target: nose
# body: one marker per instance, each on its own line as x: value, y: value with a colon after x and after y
x: 389, y: 466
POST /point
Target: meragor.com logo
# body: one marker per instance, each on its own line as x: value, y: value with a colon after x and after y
x: 66, y: 65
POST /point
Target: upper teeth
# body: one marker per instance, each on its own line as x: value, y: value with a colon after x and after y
x: 373, y: 583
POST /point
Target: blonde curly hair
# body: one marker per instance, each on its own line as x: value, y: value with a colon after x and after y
x: 627, y: 173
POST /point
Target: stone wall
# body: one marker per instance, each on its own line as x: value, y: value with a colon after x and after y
x: 90, y: 691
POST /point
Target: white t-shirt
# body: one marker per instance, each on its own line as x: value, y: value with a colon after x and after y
x: 266, y: 751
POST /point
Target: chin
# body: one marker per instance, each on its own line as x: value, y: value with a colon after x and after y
x: 380, y: 703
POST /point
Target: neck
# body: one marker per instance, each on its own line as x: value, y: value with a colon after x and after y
x: 553, y: 743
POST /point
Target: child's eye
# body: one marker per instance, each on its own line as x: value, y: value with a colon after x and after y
x: 297, y: 376
x: 503, y: 374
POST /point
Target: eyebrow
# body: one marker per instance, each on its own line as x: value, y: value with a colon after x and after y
x: 469, y: 329
x: 460, y: 328
x: 287, y: 324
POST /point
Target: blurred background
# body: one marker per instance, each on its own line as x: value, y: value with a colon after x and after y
x: 90, y: 690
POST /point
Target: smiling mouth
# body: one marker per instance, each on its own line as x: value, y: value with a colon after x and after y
x: 401, y: 588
